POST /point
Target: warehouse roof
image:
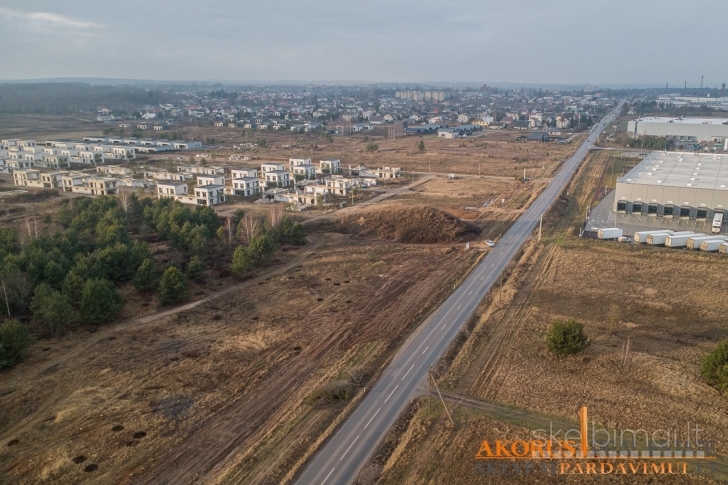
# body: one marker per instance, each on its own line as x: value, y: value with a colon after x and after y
x: 690, y: 121
x: 681, y: 169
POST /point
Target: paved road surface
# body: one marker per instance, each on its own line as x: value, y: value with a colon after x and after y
x: 352, y: 445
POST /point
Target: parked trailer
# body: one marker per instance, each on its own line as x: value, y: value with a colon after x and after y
x: 641, y: 237
x: 723, y: 248
x: 711, y: 244
x: 717, y: 222
x: 609, y: 233
x: 694, y: 242
x: 657, y: 239
x: 680, y: 239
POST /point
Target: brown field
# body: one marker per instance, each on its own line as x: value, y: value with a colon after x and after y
x: 217, y: 389
x: 41, y: 127
x: 665, y: 302
x: 490, y: 153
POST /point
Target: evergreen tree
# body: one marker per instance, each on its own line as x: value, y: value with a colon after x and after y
x: 14, y: 340
x: 100, y: 302
x: 147, y: 276
x: 714, y: 367
x: 195, y: 268
x: 173, y: 288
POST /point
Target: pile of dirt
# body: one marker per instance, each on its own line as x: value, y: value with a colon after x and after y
x: 415, y: 225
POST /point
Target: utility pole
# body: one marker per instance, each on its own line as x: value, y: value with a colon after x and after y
x: 443, y: 401
x: 540, y: 223
x: 500, y: 296
x: 429, y: 367
x: 6, y: 298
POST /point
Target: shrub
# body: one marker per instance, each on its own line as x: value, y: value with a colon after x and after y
x: 52, y: 307
x: 14, y: 341
x: 566, y: 338
x: 147, y: 276
x: 100, y: 302
x: 195, y: 268
x: 372, y: 147
x: 173, y: 288
x: 714, y: 368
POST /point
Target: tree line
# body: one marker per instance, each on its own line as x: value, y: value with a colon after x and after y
x: 71, y: 277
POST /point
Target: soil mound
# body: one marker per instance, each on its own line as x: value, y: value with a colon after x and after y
x: 415, y: 225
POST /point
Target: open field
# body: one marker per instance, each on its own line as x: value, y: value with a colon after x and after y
x: 664, y: 302
x: 41, y: 127
x: 489, y: 152
x: 220, y: 389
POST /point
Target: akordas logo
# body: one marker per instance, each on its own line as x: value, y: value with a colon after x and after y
x: 601, y: 451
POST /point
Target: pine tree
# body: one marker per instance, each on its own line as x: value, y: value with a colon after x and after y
x: 195, y: 268
x: 173, y: 288
x: 147, y: 276
x: 100, y: 302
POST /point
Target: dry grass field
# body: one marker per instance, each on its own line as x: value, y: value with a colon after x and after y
x: 668, y: 305
x: 238, y: 388
x: 488, y: 153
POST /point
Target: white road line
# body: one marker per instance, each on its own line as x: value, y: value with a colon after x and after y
x: 426, y: 349
x: 410, y: 369
x: 444, y: 325
x: 370, y: 419
x: 471, y: 292
x: 459, y: 306
x: 390, y: 394
x: 327, y: 476
x: 347, y: 450
x: 481, y: 278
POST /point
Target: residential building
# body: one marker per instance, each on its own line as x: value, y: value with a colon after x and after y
x: 277, y: 178
x: 171, y: 189
x: 210, y: 180
x: 292, y: 162
x: 245, y: 186
x: 330, y: 165
x: 210, y: 194
x: 305, y: 171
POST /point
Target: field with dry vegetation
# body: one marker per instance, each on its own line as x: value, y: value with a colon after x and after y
x: 219, y: 387
x: 665, y: 303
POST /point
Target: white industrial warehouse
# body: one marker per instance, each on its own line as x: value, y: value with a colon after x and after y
x: 697, y: 130
x: 675, y: 185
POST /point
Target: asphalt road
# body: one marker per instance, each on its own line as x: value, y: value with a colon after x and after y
x: 352, y: 445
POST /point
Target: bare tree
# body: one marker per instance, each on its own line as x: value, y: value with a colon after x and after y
x: 124, y: 201
x: 274, y: 216
x: 248, y: 228
x: 229, y: 230
x: 31, y: 229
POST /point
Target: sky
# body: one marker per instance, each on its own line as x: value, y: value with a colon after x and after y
x: 482, y: 41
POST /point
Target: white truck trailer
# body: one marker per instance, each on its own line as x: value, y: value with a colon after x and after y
x: 680, y: 239
x: 659, y: 239
x: 641, y: 237
x: 711, y: 244
x: 717, y: 222
x: 695, y: 242
x: 609, y: 233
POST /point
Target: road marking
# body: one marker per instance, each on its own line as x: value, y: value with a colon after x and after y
x: 459, y: 306
x: 327, y: 476
x: 370, y: 420
x: 443, y: 325
x: 410, y: 369
x: 347, y: 450
x: 471, y: 292
x: 481, y: 278
x: 425, y: 349
x: 390, y: 394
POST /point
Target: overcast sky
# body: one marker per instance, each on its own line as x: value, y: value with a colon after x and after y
x: 521, y: 41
